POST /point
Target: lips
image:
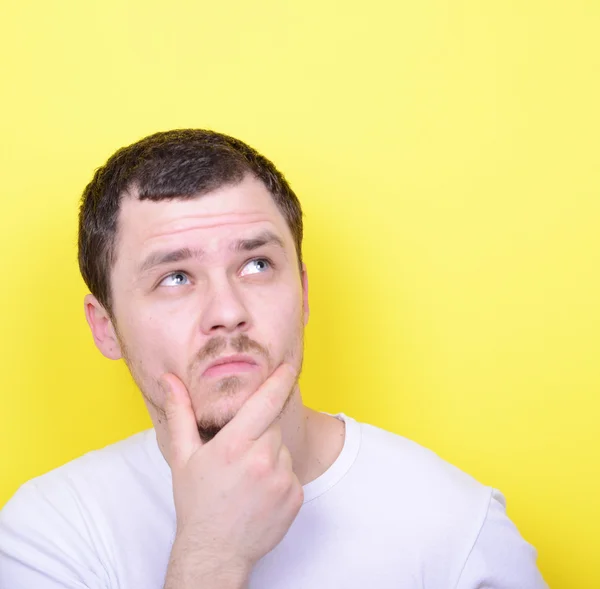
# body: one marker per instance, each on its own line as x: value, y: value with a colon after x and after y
x: 229, y: 364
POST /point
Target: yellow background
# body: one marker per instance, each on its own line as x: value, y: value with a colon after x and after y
x: 447, y: 158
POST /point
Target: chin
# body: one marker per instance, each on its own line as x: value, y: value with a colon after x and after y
x: 232, y: 385
x: 227, y: 395
x: 223, y: 406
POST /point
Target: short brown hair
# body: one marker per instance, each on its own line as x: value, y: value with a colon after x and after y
x: 183, y: 163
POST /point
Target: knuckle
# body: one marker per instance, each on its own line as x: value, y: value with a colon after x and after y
x: 262, y: 464
x: 231, y: 451
x: 283, y: 483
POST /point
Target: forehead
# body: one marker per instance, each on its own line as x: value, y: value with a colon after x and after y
x: 230, y: 211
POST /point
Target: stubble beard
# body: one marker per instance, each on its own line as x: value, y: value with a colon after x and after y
x: 210, y: 425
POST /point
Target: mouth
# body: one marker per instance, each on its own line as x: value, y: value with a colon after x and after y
x: 230, y: 365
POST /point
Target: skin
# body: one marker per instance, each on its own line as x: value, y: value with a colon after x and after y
x: 171, y: 321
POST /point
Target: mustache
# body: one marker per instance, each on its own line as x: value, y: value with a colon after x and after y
x: 241, y: 344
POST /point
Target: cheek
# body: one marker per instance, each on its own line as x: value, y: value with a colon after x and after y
x: 154, y: 344
x: 285, y: 319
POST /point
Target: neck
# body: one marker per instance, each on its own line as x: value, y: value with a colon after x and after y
x: 313, y: 439
x: 295, y: 430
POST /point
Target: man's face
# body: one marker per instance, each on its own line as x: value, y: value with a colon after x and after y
x: 199, y: 280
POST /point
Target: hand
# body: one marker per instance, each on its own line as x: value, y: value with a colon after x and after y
x: 237, y: 495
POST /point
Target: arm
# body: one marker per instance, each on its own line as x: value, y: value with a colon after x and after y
x: 185, y: 572
x: 500, y: 557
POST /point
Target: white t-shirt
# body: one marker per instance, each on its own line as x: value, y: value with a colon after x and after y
x: 387, y: 514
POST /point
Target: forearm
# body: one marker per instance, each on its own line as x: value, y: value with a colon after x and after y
x: 191, y: 569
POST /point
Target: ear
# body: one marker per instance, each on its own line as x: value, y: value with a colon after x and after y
x: 305, y: 293
x: 104, y: 333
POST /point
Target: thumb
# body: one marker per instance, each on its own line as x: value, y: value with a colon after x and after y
x: 181, y: 431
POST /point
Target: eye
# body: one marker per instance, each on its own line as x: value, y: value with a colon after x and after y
x: 257, y: 266
x: 175, y: 279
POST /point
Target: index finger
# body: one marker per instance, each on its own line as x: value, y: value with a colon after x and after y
x: 264, y: 406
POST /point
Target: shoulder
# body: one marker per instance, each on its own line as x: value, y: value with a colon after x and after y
x: 412, y: 488
x: 436, y: 503
x: 69, y: 496
x: 500, y: 556
x: 457, y: 524
x: 96, y: 470
x: 418, y: 472
x: 57, y: 522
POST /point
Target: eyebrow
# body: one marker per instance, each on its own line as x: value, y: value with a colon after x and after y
x: 162, y: 257
x: 265, y: 238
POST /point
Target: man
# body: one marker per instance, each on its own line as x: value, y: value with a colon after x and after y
x: 190, y: 243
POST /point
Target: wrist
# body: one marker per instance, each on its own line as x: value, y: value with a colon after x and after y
x: 192, y: 566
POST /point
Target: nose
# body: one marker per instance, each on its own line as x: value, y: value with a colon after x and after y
x: 224, y: 309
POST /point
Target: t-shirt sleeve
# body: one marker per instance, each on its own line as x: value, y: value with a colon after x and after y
x: 43, y: 543
x: 500, y: 558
